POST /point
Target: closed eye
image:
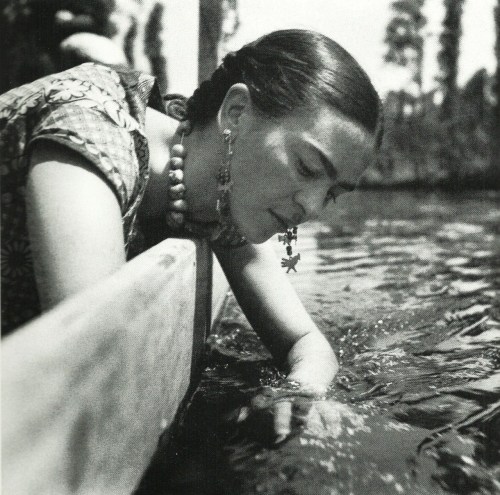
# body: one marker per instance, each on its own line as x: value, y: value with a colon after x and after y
x: 304, y: 170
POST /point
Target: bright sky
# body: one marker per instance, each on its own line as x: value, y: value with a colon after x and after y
x: 359, y: 26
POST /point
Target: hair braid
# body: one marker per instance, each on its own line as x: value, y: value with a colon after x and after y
x: 205, y: 102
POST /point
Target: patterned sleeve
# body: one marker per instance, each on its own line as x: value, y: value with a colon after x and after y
x: 92, y: 118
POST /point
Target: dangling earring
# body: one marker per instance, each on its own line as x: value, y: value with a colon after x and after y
x: 287, y: 238
x: 227, y: 233
x: 225, y: 184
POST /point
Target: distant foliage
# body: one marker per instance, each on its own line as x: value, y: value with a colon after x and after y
x: 404, y: 38
x: 495, y: 135
x: 210, y: 34
x: 230, y: 24
x: 407, y: 136
x: 153, y: 46
x: 448, y: 55
x: 441, y: 137
x: 129, y: 41
x: 448, y: 63
x: 33, y: 29
x: 32, y: 32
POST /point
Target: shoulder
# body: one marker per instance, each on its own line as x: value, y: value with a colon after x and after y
x: 84, y: 83
x: 160, y: 128
x: 87, y: 109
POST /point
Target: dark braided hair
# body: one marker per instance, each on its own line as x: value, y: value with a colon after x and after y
x: 285, y: 70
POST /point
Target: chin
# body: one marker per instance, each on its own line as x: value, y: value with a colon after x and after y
x: 259, y: 237
x: 255, y: 228
x: 259, y: 240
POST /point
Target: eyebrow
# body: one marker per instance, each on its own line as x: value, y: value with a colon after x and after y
x: 330, y: 169
x: 348, y: 187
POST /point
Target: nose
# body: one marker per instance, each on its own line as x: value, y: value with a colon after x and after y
x: 312, y: 201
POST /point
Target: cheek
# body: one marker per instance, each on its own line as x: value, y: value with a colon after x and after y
x: 260, y: 192
x: 263, y: 174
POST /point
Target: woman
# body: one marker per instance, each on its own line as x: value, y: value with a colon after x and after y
x: 91, y: 164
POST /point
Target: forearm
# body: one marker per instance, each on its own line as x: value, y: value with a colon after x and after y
x: 276, y: 313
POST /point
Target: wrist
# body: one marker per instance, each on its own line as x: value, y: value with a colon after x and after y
x: 312, y: 362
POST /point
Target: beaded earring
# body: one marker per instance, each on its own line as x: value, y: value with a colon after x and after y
x: 287, y: 238
x: 225, y: 184
x: 227, y: 233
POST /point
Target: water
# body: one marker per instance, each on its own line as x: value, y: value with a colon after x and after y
x: 405, y: 286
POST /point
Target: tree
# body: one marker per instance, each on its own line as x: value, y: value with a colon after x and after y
x: 209, y: 37
x: 448, y: 64
x: 495, y: 136
x: 405, y: 48
x: 448, y: 56
x: 230, y: 24
x: 153, y: 46
x: 129, y: 41
x: 218, y: 23
x: 404, y: 37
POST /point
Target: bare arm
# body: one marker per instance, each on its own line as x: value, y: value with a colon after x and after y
x: 74, y: 223
x: 277, y: 315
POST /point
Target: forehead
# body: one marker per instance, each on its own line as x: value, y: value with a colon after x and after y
x: 310, y: 133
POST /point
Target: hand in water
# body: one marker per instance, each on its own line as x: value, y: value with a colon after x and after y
x: 279, y: 413
x: 298, y: 403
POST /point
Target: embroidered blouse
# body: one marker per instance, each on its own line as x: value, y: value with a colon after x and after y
x: 96, y: 111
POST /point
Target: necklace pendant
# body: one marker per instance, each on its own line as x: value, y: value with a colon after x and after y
x: 290, y: 263
x: 287, y: 238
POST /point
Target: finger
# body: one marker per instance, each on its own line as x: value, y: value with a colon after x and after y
x: 314, y: 422
x: 300, y: 411
x: 243, y: 414
x: 282, y: 420
x: 331, y: 416
x: 262, y: 401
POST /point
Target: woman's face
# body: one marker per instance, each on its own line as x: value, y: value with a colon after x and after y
x: 285, y: 172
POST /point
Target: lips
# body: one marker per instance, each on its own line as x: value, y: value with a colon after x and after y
x: 284, y: 224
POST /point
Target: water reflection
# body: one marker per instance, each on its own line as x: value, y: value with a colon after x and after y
x: 405, y: 286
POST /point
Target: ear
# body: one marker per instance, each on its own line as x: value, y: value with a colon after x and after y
x: 236, y: 105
